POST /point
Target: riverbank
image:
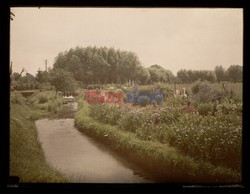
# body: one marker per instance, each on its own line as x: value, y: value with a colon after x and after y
x: 162, y: 161
x: 26, y: 155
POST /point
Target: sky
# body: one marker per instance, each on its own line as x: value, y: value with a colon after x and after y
x: 197, y: 39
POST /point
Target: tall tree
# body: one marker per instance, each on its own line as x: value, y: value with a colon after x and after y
x: 220, y: 73
x: 62, y: 80
x: 99, y: 65
x: 234, y: 73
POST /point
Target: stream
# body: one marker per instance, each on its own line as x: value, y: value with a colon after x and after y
x: 79, y: 157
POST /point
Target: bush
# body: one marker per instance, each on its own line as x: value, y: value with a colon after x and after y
x: 42, y: 99
x: 93, y: 87
x: 52, y: 107
x: 165, y: 90
x: 143, y: 100
x: 229, y: 106
x: 170, y: 115
x: 17, y: 98
x: 107, y: 113
x: 205, y: 108
x: 80, y: 103
x: 34, y: 116
x: 132, y: 120
x: 203, y: 93
x: 177, y: 101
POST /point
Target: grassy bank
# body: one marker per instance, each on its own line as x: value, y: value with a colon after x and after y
x: 163, y: 162
x: 26, y: 155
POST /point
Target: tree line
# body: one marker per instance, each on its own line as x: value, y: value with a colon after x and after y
x: 92, y: 65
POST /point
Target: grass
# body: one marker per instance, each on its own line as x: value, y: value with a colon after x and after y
x: 26, y: 155
x: 162, y: 161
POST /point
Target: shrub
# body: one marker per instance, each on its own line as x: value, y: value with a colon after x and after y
x: 132, y: 120
x: 170, y: 115
x: 52, y: 107
x: 177, y: 101
x: 17, y: 98
x: 107, y: 113
x: 34, y: 116
x: 93, y: 87
x: 165, y: 90
x: 229, y: 106
x: 143, y: 100
x: 203, y: 93
x: 42, y: 99
x: 205, y: 108
x: 80, y: 103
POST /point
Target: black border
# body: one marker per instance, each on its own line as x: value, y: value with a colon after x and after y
x: 6, y: 183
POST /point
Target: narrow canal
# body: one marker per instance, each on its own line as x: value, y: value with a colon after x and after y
x: 79, y: 157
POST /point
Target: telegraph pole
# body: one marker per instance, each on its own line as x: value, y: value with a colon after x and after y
x: 46, y: 67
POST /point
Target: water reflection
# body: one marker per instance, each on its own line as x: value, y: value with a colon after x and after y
x: 78, y: 156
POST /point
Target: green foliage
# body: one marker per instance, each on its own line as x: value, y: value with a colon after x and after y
x: 189, y: 76
x: 140, y: 145
x: 46, y: 101
x: 34, y: 115
x: 52, y: 107
x: 205, y: 137
x: 80, y: 103
x: 102, y: 65
x: 220, y: 73
x: 203, y: 93
x: 107, y: 113
x: 131, y: 120
x: 17, y: 98
x: 159, y: 74
x: 165, y: 90
x: 93, y: 87
x: 205, y: 108
x: 229, y: 106
x: 27, y: 82
x: 43, y: 76
x: 27, y: 159
x: 143, y: 100
x: 43, y: 99
x: 62, y: 80
x: 215, y: 139
x: 234, y: 73
x: 176, y: 101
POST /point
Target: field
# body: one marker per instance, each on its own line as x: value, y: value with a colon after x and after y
x: 197, y: 138
x: 26, y: 156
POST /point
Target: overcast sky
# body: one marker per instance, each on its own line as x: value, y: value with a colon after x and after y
x: 173, y: 38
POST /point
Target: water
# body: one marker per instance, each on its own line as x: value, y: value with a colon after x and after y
x: 79, y: 157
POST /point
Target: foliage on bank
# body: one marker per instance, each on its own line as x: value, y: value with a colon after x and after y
x: 26, y: 155
x: 152, y: 146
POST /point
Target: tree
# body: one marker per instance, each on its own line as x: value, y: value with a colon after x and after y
x: 142, y: 75
x: 183, y: 76
x: 220, y: 73
x: 234, y: 73
x: 160, y: 74
x: 62, y: 80
x: 189, y: 76
x: 42, y: 76
x: 100, y: 65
